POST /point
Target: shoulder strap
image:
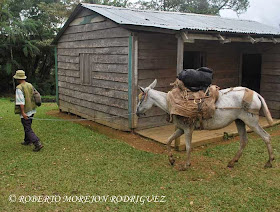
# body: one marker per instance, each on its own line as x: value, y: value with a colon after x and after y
x: 21, y: 87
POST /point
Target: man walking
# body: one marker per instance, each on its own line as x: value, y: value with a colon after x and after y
x: 26, y: 107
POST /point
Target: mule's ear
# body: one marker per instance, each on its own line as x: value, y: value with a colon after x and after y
x: 142, y: 89
x: 153, y: 84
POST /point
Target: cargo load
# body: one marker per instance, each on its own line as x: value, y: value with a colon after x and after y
x: 196, y: 79
x: 191, y: 105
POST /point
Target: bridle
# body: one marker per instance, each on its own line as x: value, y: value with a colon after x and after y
x: 143, y: 97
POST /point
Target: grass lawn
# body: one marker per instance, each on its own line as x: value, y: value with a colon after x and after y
x: 48, y: 98
x: 77, y: 161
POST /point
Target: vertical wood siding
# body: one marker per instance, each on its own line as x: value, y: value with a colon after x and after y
x: 223, y: 59
x: 103, y: 47
x: 85, y: 68
x: 270, y: 76
x: 270, y: 83
x: 157, y: 59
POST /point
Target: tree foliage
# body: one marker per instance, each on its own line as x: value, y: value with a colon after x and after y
x: 26, y: 31
x: 116, y: 3
x: 194, y: 6
x: 28, y: 27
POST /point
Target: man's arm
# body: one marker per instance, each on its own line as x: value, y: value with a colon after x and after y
x: 21, y: 102
x: 22, y: 112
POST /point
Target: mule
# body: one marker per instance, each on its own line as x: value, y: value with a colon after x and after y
x: 228, y: 98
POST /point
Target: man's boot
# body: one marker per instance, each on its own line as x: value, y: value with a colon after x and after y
x: 26, y: 143
x: 38, y: 146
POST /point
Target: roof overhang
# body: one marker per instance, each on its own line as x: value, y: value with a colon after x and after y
x: 188, y: 35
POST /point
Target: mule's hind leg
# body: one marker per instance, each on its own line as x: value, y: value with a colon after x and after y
x: 266, y: 138
x: 175, y: 135
x: 188, y: 133
x: 243, y: 141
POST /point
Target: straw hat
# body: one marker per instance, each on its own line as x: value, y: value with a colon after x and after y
x: 20, y: 74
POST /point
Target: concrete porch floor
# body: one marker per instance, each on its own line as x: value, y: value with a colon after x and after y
x: 200, y: 137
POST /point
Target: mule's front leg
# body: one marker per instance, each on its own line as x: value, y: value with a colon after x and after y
x: 175, y: 135
x: 188, y: 137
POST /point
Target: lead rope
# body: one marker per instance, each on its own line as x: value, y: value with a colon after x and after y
x: 83, y: 119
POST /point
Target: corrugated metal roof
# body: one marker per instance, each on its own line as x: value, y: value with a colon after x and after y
x: 180, y: 21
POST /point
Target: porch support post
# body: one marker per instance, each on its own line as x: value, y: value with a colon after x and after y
x: 56, y: 76
x: 135, y: 79
x: 180, y: 53
x: 132, y: 80
x: 180, y: 59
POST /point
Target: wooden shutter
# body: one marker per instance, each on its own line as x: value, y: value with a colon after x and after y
x: 85, y: 69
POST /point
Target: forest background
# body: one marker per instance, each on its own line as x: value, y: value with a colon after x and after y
x: 27, y: 29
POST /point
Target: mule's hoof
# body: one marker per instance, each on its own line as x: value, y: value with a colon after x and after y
x: 184, y: 167
x: 268, y: 165
x: 171, y: 161
x: 230, y: 164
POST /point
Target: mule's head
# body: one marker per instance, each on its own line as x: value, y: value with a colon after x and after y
x: 145, y: 101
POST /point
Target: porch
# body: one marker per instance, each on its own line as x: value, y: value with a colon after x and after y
x: 161, y: 134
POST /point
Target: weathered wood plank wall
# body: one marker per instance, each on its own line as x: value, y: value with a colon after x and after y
x: 270, y: 76
x: 223, y: 59
x: 270, y: 82
x: 107, y: 47
x: 157, y: 58
x: 106, y: 44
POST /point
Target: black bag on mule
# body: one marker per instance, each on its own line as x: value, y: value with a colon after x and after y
x: 196, y: 80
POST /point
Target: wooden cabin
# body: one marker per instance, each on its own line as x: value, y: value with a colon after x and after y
x: 104, y: 53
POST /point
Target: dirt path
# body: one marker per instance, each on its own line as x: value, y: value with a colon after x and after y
x: 132, y: 139
x: 137, y: 141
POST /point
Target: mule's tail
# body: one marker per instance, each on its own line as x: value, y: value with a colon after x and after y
x: 266, y: 111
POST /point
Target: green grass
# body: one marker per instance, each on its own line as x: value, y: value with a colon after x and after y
x: 49, y: 97
x: 79, y: 161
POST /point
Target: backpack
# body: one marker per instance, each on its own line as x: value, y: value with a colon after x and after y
x: 37, y: 97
